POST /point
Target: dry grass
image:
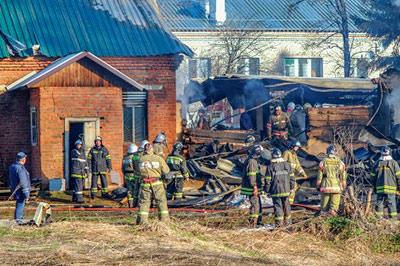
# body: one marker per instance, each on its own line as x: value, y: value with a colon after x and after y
x: 182, y: 242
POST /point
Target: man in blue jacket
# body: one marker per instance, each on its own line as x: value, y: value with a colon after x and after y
x: 20, y: 182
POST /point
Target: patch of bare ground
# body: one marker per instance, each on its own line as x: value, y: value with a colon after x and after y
x: 177, y: 243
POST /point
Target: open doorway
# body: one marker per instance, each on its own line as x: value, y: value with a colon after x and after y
x: 85, y: 129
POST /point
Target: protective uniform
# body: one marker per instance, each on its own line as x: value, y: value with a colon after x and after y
x: 177, y: 164
x: 152, y: 167
x: 130, y: 168
x: 280, y: 183
x: 20, y: 182
x: 79, y: 171
x: 331, y: 182
x: 291, y: 157
x: 386, y: 178
x: 99, y: 160
x: 159, y: 145
x: 278, y: 126
x: 252, y: 182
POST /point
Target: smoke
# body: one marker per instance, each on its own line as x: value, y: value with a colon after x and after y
x: 254, y: 93
x: 397, y: 3
x: 392, y: 100
x: 193, y: 93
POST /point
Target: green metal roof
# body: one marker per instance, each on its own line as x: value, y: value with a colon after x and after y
x: 268, y: 15
x: 102, y: 27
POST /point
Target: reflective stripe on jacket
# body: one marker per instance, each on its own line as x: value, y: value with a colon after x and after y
x: 99, y: 160
x: 177, y: 164
x: 79, y: 163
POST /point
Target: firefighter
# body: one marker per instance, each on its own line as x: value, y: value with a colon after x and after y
x: 79, y: 170
x: 152, y: 168
x: 20, y: 185
x: 204, y: 121
x: 160, y: 145
x: 177, y: 164
x: 291, y: 157
x: 278, y: 125
x: 99, y: 161
x: 131, y: 172
x: 280, y: 183
x: 249, y: 141
x: 252, y: 183
x: 331, y: 181
x: 386, y: 178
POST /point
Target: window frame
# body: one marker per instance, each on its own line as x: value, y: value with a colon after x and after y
x: 132, y: 108
x: 309, y: 70
x: 34, y: 126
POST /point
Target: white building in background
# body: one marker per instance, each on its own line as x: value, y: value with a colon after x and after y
x: 284, y: 32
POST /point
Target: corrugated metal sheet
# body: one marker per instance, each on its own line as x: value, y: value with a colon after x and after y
x: 103, y: 27
x: 278, y: 15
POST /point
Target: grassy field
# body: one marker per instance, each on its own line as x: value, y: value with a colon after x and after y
x: 113, y: 239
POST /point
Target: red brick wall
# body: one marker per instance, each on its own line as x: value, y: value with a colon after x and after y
x: 57, y: 103
x: 161, y: 104
x: 14, y: 127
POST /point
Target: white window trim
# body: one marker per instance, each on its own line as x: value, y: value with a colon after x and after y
x: 34, y: 128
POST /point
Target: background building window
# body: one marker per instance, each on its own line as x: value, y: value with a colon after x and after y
x: 249, y: 66
x: 34, y: 127
x: 200, y: 68
x: 135, y: 116
x: 303, y: 67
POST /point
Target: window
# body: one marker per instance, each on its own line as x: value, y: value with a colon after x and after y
x: 200, y: 68
x: 303, y: 67
x: 135, y: 116
x: 249, y: 66
x: 34, y: 127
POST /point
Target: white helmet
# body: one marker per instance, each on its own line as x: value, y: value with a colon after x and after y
x: 291, y: 106
x: 160, y: 138
x: 132, y: 148
x: 143, y: 144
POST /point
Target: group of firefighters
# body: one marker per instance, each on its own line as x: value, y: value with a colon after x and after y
x: 152, y: 176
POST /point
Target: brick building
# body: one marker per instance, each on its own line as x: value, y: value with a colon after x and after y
x: 52, y: 91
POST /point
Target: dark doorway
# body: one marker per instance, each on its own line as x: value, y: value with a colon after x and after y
x: 76, y: 131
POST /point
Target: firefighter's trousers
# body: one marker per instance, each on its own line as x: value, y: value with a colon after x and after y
x: 388, y: 200
x: 330, y: 202
x: 282, y: 210
x: 148, y: 191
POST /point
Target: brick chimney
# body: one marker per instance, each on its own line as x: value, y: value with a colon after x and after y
x: 216, y: 10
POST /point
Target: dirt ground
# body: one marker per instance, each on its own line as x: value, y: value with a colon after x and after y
x: 114, y: 240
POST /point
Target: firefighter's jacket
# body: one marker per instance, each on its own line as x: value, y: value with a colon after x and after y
x: 278, y: 125
x: 79, y: 164
x: 332, y: 175
x: 279, y: 178
x: 252, y: 177
x: 291, y: 157
x: 386, y: 176
x: 130, y: 166
x: 177, y: 165
x: 152, y: 166
x: 99, y: 160
x: 158, y: 149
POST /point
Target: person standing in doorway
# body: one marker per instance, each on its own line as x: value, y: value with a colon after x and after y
x: 79, y: 170
x: 99, y: 160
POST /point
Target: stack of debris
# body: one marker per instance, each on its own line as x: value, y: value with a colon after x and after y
x: 325, y: 121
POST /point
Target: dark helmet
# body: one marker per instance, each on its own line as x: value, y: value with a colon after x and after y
x: 385, y: 150
x: 331, y: 150
x: 178, y: 146
x: 256, y: 150
x: 276, y: 153
x: 21, y: 155
x: 295, y: 143
x: 250, y: 139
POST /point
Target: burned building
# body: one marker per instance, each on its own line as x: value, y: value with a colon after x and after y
x: 83, y: 68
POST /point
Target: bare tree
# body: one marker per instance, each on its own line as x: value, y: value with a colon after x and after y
x: 338, y: 21
x: 234, y: 41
